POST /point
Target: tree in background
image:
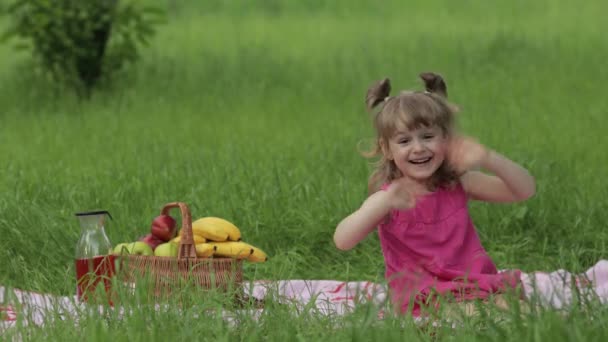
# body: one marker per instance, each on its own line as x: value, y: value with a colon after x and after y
x: 82, y: 42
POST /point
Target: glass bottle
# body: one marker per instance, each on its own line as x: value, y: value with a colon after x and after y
x: 93, y: 260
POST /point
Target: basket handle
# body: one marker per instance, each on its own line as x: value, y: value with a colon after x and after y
x: 186, y: 243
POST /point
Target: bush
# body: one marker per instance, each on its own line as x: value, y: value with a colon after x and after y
x: 81, y: 42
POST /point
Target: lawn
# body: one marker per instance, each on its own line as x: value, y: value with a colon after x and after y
x: 254, y: 112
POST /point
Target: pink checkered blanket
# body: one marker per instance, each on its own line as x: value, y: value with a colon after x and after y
x: 555, y: 289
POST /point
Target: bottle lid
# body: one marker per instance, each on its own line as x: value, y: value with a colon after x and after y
x: 98, y: 212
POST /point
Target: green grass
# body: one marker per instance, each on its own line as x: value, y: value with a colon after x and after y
x: 254, y: 112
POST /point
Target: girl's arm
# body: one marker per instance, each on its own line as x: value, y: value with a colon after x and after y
x: 510, y: 182
x: 355, y: 227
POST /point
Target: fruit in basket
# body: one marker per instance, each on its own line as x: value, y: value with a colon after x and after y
x: 240, y: 250
x: 216, y: 229
x: 209, y: 232
x: 232, y: 249
x: 151, y: 240
x: 137, y: 248
x: 234, y: 234
x: 140, y: 248
x: 258, y: 255
x: 204, y: 250
x: 163, y: 227
x: 197, y: 239
x: 167, y: 249
x: 121, y: 248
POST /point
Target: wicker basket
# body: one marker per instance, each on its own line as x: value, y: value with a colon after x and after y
x: 167, y: 274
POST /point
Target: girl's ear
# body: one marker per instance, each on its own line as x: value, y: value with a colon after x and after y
x: 385, y: 149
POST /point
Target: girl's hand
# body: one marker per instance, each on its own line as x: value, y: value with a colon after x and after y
x: 400, y: 194
x: 464, y: 153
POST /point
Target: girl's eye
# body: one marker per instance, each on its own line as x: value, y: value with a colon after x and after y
x: 404, y: 141
x: 428, y: 136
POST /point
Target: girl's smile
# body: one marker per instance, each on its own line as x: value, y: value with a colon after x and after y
x: 421, y: 161
x: 418, y: 153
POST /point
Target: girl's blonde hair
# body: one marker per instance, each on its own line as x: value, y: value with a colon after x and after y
x: 410, y: 110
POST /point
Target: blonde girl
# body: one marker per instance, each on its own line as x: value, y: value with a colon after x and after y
x: 418, y: 199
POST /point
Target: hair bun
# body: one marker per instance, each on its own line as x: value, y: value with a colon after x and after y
x: 377, y: 93
x: 434, y: 83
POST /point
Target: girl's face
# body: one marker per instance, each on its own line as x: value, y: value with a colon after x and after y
x: 417, y: 153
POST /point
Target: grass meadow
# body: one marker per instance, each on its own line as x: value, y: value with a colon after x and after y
x: 254, y: 112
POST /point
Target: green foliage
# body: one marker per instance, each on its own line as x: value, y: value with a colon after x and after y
x: 81, y: 42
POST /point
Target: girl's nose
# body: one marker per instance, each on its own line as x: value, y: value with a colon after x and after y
x: 417, y: 145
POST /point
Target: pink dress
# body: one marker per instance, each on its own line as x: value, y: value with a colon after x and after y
x: 434, y: 248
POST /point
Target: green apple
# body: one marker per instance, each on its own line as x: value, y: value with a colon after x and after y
x: 140, y: 248
x: 121, y: 248
x: 167, y: 249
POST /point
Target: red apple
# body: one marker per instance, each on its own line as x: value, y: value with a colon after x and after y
x: 151, y: 240
x: 163, y: 227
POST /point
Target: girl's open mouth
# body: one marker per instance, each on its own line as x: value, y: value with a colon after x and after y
x: 420, y: 161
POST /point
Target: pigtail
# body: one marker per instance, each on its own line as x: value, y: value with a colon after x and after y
x: 437, y: 88
x: 434, y: 83
x: 377, y: 93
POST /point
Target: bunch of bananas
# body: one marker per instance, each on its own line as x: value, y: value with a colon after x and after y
x: 214, y: 236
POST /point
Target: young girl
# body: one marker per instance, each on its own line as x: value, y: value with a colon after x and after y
x: 418, y: 202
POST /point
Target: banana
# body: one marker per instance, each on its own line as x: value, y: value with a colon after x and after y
x: 232, y: 249
x: 204, y: 250
x: 234, y: 234
x: 216, y: 229
x: 197, y: 239
x: 258, y: 255
x: 214, y: 224
x: 209, y: 232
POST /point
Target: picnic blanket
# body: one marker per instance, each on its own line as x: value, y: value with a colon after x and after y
x: 557, y: 289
